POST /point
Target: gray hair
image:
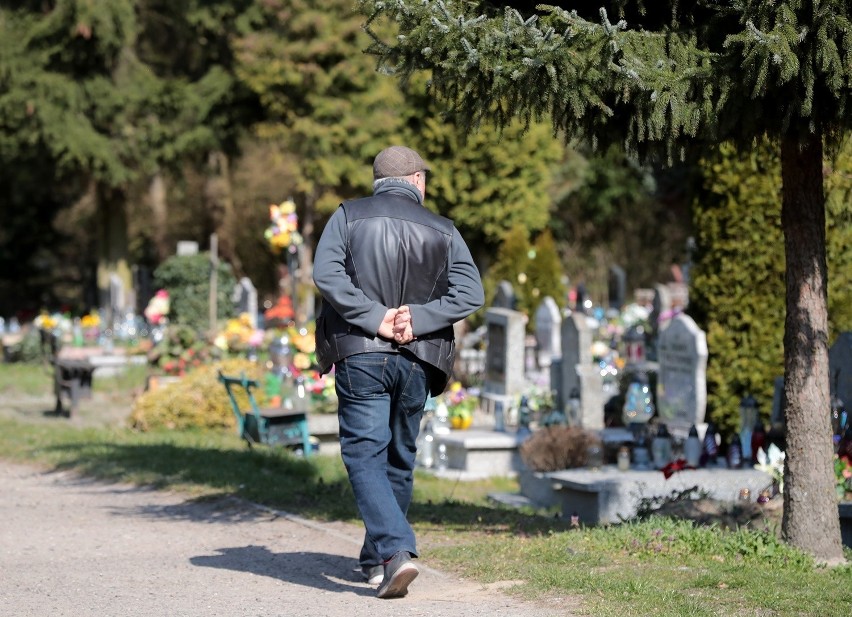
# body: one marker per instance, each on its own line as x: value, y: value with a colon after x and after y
x: 381, y: 181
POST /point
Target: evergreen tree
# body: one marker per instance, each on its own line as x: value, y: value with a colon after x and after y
x: 545, y: 271
x: 70, y: 89
x: 664, y: 78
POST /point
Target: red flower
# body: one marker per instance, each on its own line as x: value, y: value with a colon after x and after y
x: 673, y: 467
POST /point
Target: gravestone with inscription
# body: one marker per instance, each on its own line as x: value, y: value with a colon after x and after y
x: 504, y: 363
x: 682, y: 379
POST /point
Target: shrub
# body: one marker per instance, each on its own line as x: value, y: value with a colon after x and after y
x: 557, y: 447
x: 187, y: 279
x: 197, y: 400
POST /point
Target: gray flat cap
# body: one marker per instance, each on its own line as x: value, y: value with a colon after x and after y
x: 397, y: 162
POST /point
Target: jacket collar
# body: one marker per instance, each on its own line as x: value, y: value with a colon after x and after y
x: 399, y: 187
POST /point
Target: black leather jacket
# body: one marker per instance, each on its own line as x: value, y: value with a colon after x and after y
x: 397, y: 253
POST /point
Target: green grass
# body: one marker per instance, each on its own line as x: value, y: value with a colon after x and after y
x: 659, y: 567
x: 25, y: 379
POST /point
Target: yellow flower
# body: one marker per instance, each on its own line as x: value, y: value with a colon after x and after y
x: 92, y: 320
x: 302, y: 361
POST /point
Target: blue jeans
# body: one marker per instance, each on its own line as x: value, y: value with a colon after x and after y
x: 380, y: 405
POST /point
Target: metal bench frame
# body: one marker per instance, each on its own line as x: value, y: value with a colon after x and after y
x: 271, y: 426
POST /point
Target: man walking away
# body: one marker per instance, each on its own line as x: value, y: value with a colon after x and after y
x: 394, y: 278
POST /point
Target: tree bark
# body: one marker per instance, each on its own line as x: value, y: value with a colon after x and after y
x: 219, y: 203
x: 112, y: 249
x: 810, y: 520
x: 159, y: 215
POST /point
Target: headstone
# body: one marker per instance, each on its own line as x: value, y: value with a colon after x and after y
x: 505, y: 296
x: 504, y: 364
x: 616, y: 286
x: 591, y: 397
x: 548, y: 326
x: 244, y: 298
x: 187, y: 247
x: 504, y: 352
x: 682, y: 377
x: 576, y: 351
x: 840, y: 368
x: 776, y: 418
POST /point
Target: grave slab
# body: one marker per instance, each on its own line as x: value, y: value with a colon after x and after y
x: 608, y: 495
x: 482, y: 452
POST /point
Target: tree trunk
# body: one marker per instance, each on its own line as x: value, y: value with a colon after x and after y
x: 307, y: 262
x: 219, y: 203
x: 159, y: 215
x: 112, y: 252
x: 810, y: 519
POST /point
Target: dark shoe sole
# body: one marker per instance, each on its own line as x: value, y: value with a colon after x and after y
x: 397, y: 586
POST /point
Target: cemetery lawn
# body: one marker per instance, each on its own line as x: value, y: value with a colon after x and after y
x: 658, y: 567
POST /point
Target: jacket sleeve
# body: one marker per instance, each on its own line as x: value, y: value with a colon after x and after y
x: 334, y: 283
x: 464, y: 296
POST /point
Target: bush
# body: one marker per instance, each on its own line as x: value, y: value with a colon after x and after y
x: 557, y: 447
x: 197, y: 400
x: 187, y: 279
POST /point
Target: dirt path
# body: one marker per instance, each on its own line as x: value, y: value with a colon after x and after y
x: 76, y: 547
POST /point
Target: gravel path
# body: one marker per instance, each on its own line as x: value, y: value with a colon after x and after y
x: 75, y: 547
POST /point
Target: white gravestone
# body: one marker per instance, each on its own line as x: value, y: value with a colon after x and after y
x: 548, y: 325
x: 682, y: 377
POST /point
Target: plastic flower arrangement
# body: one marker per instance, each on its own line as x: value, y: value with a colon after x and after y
x: 280, y: 314
x: 157, y: 311
x: 283, y: 230
x: 843, y: 477
x: 299, y: 366
x: 239, y: 335
x: 92, y: 320
x: 46, y: 322
x: 461, y: 403
x: 771, y: 461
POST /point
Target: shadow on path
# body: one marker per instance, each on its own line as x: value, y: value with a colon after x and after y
x: 317, y: 570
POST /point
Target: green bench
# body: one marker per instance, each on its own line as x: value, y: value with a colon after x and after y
x: 276, y: 426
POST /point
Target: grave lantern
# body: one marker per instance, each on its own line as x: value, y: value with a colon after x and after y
x: 634, y: 345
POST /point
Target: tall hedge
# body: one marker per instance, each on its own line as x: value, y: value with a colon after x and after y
x: 737, y: 289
